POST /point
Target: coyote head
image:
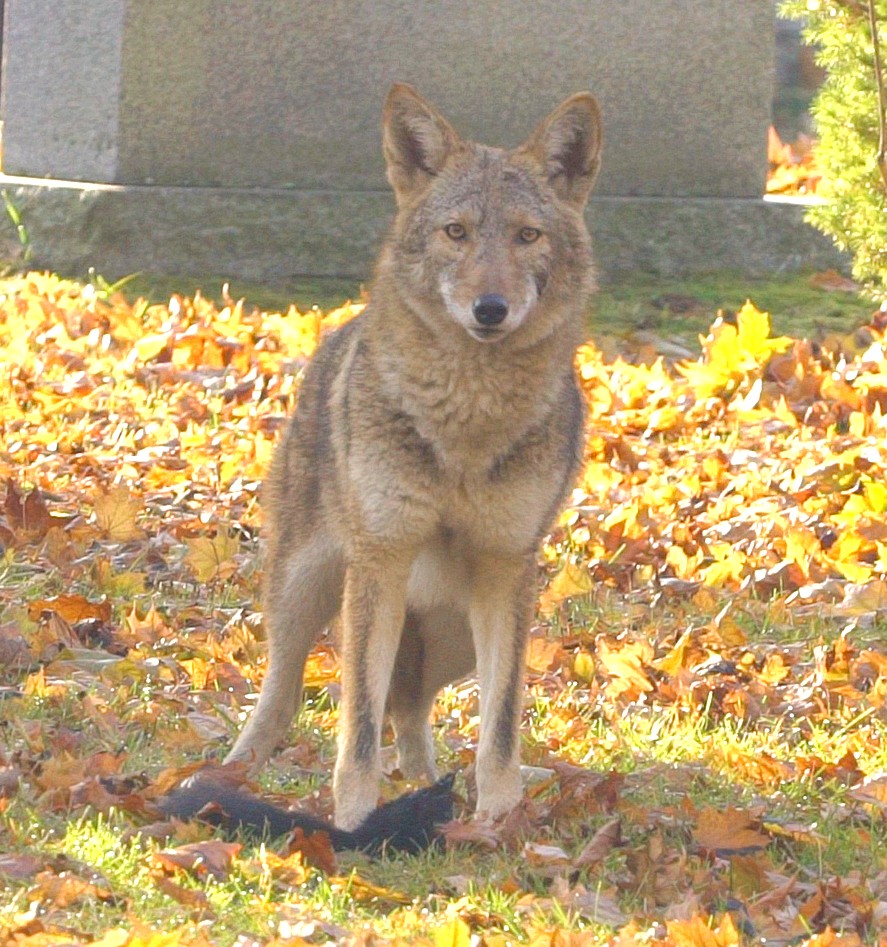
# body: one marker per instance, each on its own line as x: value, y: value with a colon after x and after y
x: 492, y: 240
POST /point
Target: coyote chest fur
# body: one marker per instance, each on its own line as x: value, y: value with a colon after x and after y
x: 434, y: 439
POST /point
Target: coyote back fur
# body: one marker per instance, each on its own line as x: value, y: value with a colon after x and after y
x: 434, y: 439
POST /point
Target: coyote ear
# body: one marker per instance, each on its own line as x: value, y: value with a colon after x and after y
x: 416, y: 139
x: 568, y: 146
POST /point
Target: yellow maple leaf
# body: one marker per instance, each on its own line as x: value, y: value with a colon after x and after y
x: 698, y: 932
x: 571, y: 580
x: 148, y: 347
x: 454, y: 934
x: 753, y: 334
x: 212, y: 559
x: 115, y: 514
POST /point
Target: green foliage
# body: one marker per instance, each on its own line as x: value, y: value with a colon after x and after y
x: 846, y: 115
x: 12, y: 212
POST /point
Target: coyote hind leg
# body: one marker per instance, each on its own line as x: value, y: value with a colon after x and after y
x: 303, y: 595
x: 436, y: 649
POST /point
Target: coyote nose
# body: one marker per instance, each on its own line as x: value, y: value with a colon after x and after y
x: 490, y: 309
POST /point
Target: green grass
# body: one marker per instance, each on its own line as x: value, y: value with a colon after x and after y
x: 324, y: 292
x: 684, y: 308
x: 645, y: 304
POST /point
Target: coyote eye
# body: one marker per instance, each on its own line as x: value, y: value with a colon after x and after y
x: 455, y: 231
x: 529, y: 234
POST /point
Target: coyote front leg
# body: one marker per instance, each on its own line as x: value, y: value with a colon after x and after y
x: 373, y: 615
x: 500, y: 613
x: 303, y: 595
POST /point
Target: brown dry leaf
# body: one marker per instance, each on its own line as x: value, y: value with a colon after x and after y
x: 544, y: 654
x: 64, y: 889
x: 540, y: 855
x: 10, y: 780
x: 775, y: 669
x: 321, y: 668
x: 14, y: 650
x: 64, y: 771
x: 316, y: 849
x: 866, y: 598
x: 230, y: 775
x: 21, y: 866
x: 834, y: 282
x: 583, y: 666
x: 200, y: 671
x: 53, y: 632
x: 26, y: 511
x: 749, y: 874
x: 796, y: 831
x: 94, y: 793
x: 189, y: 897
x: 607, y: 837
x: 473, y: 832
x: 584, y: 792
x: 728, y: 831
x: 212, y: 857
x: 686, y: 653
x: 872, y: 791
x: 793, y: 167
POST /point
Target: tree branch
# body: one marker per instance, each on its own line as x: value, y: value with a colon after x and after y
x: 882, y: 96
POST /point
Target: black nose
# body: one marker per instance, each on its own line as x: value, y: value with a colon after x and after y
x: 490, y: 309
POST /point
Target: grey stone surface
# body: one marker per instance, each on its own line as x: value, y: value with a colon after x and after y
x: 60, y: 89
x: 273, y: 93
x: 273, y: 235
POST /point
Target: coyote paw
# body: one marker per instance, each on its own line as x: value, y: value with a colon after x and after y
x: 498, y: 797
x: 407, y: 824
x: 356, y: 793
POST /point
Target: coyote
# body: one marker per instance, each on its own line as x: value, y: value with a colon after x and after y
x: 435, y: 437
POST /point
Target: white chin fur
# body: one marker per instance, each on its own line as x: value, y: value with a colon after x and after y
x: 465, y: 317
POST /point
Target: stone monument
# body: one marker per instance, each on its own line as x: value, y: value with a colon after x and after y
x: 243, y: 138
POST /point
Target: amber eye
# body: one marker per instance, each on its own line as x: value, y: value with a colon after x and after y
x: 529, y: 234
x: 455, y: 231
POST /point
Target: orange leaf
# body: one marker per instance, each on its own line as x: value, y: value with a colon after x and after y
x: 698, y: 932
x: 72, y: 608
x: 316, y: 849
x: 728, y: 830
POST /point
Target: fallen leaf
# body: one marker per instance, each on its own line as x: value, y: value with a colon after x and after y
x: 212, y: 559
x: 728, y: 830
x: 116, y: 514
x: 21, y: 866
x: 212, y: 857
x: 316, y: 849
x: 607, y: 837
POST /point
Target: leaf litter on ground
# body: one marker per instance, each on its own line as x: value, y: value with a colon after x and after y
x: 706, y: 683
